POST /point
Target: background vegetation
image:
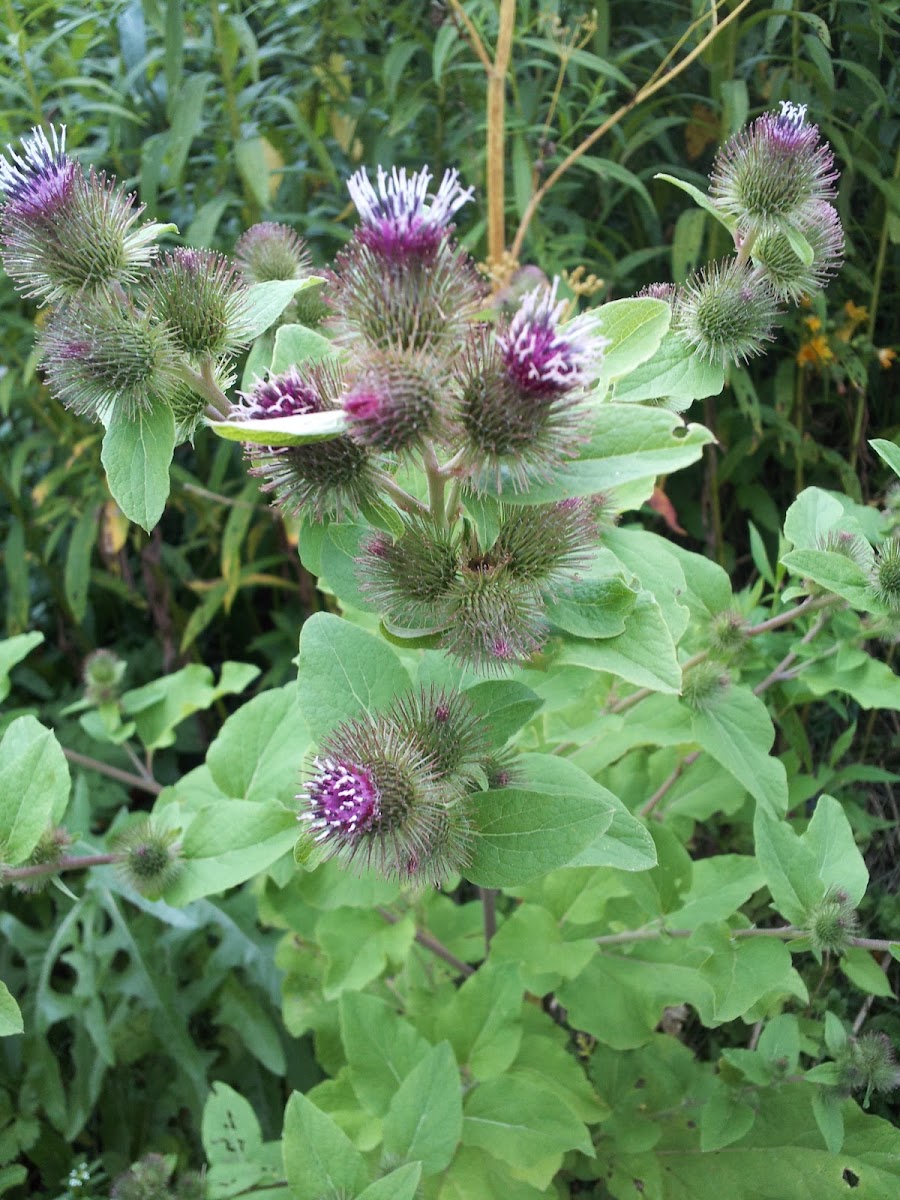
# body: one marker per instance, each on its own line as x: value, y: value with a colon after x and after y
x: 220, y: 114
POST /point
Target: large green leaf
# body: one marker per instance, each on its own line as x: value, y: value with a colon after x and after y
x: 424, y: 1121
x: 344, y: 672
x: 402, y: 1184
x: 358, y: 945
x: 381, y: 1048
x: 319, y: 1158
x: 643, y: 655
x: 267, y: 301
x: 593, y: 608
x: 525, y: 831
x: 628, y: 442
x: 159, y: 707
x: 736, y: 729
x: 835, y: 573
x: 505, y: 706
x: 283, y: 431
x: 10, y: 1016
x: 12, y: 651
x: 295, y: 344
x: 34, y: 787
x: 259, y: 751
x: 675, y: 373
x: 483, y: 1021
x: 136, y: 454
x: 634, y: 329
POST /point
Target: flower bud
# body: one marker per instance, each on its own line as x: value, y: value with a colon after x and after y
x: 511, y: 433
x: 376, y: 800
x: 102, y: 354
x: 448, y: 729
x: 400, y: 221
x: 199, y: 297
x: 886, y: 573
x: 789, y: 277
x: 394, y: 401
x: 326, y: 478
x: 725, y: 312
x: 703, y: 685
x: 147, y: 1179
x: 543, y: 544
x: 869, y: 1062
x: 770, y: 174
x: 727, y: 632
x: 150, y: 859
x: 102, y: 673
x: 502, y: 769
x: 51, y: 846
x: 269, y: 251
x: 409, y: 578
x: 63, y: 232
x: 831, y: 923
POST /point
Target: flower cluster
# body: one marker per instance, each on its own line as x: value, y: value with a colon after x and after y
x: 773, y: 183
x: 392, y: 791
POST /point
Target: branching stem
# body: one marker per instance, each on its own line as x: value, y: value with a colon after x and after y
x: 144, y: 782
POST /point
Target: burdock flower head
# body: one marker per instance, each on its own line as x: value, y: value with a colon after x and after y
x: 326, y: 478
x: 791, y: 278
x: 769, y: 174
x: 64, y: 232
x: 198, y: 294
x: 400, y: 219
x: 545, y: 357
x: 395, y: 400
x: 269, y: 251
x: 726, y: 312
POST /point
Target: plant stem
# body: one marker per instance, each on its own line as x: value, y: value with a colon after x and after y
x: 472, y: 33
x: 496, y: 132
x: 652, y: 86
x: 436, y: 483
x: 142, y: 782
x: 76, y: 863
x: 424, y: 938
x: 778, y: 673
x: 203, y: 383
x: 234, y: 119
x: 401, y: 497
x: 489, y: 909
x: 786, y: 932
x: 668, y: 783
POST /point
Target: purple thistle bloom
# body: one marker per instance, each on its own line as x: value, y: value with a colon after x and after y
x: 344, y: 800
x: 401, y: 220
x: 768, y: 175
x: 38, y: 183
x: 287, y: 395
x: 544, y: 357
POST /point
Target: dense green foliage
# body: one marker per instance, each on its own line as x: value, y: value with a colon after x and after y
x: 682, y: 966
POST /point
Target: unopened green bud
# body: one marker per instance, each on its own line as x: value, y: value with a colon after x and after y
x: 201, y: 300
x: 726, y: 312
x: 886, y: 573
x: 102, y: 674
x: 727, y: 633
x: 703, y: 685
x: 49, y: 850
x: 869, y: 1062
x: 831, y: 923
x: 150, y: 858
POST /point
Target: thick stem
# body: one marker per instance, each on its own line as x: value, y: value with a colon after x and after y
x: 785, y: 932
x: 143, y: 782
x: 400, y: 497
x: 496, y: 133
x: 76, y: 863
x: 436, y: 484
x: 203, y: 383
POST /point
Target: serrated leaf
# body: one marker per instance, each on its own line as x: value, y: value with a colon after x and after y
x: 283, y: 431
x: 483, y: 1020
x: 737, y: 731
x: 259, y: 751
x: 136, y: 455
x: 381, y: 1048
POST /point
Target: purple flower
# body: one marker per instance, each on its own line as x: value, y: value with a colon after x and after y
x: 344, y: 800
x: 287, y: 395
x: 37, y: 182
x: 545, y: 357
x: 770, y: 173
x: 401, y: 220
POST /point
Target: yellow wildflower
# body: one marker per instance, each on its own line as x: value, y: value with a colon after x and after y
x: 815, y: 353
x: 886, y: 357
x: 813, y: 324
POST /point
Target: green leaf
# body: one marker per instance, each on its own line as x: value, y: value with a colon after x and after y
x: 643, y: 655
x: 523, y: 1124
x: 227, y: 842
x: 136, y: 455
x: 593, y: 608
x: 532, y: 941
x: 888, y: 451
x: 381, y: 1048
x: 675, y: 373
x: 741, y: 972
x: 475, y: 1173
x: 526, y: 831
x: 837, y: 574
x: 78, y: 563
x: 737, y: 731
x: 628, y: 442
x: 344, y: 672
x: 828, y: 1109
x: 724, y: 1118
x: 402, y: 1184
x: 810, y: 517
x: 505, y: 705
x: 358, y: 946
x: 34, y: 785
x: 319, y: 1158
x: 283, y: 431
x: 259, y: 751
x: 799, y: 245
x: 10, y: 1017
x: 483, y: 1021
x: 425, y: 1118
x: 626, y: 845
x: 701, y: 199
x: 160, y: 706
x: 839, y: 863
x: 12, y: 651
x: 230, y: 1130
x: 633, y: 329
x: 267, y: 301
x: 719, y: 886
x: 862, y: 970
x: 295, y: 344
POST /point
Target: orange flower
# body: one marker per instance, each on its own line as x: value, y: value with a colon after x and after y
x: 815, y: 353
x: 813, y: 324
x: 886, y: 357
x: 856, y: 312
